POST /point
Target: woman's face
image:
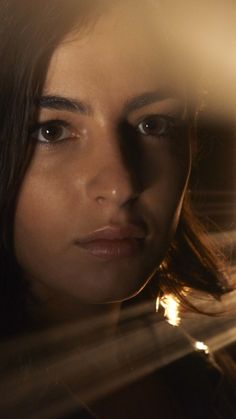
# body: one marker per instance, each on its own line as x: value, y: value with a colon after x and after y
x: 101, y: 199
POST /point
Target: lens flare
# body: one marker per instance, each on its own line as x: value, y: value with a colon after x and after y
x: 201, y: 346
x: 171, y: 309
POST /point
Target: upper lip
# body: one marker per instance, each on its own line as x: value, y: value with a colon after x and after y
x: 114, y: 233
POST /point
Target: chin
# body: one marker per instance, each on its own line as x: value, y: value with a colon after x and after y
x: 116, y: 294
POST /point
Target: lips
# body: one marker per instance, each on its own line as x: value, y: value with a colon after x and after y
x: 113, y: 242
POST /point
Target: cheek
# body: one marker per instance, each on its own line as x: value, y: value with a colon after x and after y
x: 46, y: 205
x: 164, y: 198
x: 42, y: 217
x: 171, y: 166
x: 37, y: 214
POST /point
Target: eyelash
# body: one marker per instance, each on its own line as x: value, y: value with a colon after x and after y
x: 166, y: 126
x: 165, y: 129
x: 53, y: 124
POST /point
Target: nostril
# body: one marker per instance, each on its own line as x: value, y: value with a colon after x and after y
x: 100, y: 199
x: 131, y: 200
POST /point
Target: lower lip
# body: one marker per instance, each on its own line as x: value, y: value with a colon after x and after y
x: 113, y: 249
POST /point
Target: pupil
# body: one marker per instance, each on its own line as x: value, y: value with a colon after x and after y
x: 156, y: 126
x: 151, y: 124
x: 52, y: 132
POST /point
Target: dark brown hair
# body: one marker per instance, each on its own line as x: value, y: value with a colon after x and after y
x: 193, y: 261
x: 29, y: 33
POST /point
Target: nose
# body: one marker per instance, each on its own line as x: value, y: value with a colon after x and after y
x: 112, y: 181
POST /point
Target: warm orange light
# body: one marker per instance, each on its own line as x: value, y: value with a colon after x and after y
x: 171, y: 306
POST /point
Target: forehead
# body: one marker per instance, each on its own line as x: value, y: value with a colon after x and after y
x: 123, y: 50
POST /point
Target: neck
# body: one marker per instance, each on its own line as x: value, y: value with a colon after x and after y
x: 55, y: 309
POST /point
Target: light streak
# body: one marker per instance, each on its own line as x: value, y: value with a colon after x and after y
x: 94, y: 372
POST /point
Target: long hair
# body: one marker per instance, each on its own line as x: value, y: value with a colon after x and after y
x: 193, y: 261
x: 29, y: 32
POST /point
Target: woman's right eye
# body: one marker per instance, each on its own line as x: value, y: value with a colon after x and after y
x: 156, y: 126
x: 52, y: 132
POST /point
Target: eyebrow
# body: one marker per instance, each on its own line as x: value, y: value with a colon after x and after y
x: 74, y: 105
x: 63, y: 104
x: 138, y: 102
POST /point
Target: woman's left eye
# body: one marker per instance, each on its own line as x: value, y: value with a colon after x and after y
x: 156, y: 125
x: 53, y: 132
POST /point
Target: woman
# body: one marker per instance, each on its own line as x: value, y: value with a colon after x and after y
x: 96, y: 152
